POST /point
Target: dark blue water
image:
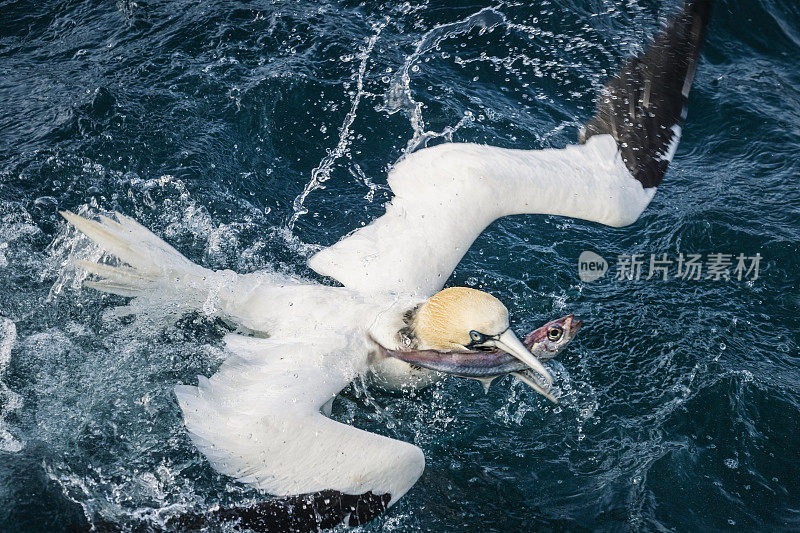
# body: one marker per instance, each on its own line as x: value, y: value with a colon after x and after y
x: 248, y: 134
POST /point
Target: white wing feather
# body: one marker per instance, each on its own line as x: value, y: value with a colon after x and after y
x: 258, y: 420
x: 447, y: 195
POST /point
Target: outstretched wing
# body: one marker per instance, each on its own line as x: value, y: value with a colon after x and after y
x: 259, y: 420
x: 445, y: 196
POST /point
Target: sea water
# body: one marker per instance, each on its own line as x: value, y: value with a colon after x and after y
x: 250, y: 134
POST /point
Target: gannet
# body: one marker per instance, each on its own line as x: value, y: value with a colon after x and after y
x: 262, y: 418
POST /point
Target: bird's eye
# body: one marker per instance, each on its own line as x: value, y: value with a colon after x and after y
x: 475, y: 336
x: 554, y: 333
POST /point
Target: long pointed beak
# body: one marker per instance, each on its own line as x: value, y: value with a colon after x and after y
x: 509, y: 343
x: 527, y: 378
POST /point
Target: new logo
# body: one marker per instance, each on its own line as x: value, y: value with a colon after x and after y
x: 591, y: 266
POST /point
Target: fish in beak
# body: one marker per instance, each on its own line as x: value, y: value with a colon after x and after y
x: 509, y: 343
x: 548, y: 340
x: 507, y: 356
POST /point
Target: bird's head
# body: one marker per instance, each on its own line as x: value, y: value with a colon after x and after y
x: 463, y: 319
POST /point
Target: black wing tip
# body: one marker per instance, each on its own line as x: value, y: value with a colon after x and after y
x: 646, y: 100
x: 700, y: 7
x: 301, y: 513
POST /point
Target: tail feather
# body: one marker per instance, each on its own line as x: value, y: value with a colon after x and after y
x: 154, y: 268
x: 121, y: 289
x: 111, y: 272
x: 131, y: 242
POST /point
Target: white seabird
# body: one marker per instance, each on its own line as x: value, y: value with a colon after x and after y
x: 261, y: 418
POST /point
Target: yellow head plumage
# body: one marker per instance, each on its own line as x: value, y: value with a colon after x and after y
x: 444, y: 321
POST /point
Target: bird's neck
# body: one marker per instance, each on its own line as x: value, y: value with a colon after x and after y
x: 407, y: 336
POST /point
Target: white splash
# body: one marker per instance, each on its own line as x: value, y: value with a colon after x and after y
x: 399, y: 95
x: 322, y: 172
x: 9, y: 400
